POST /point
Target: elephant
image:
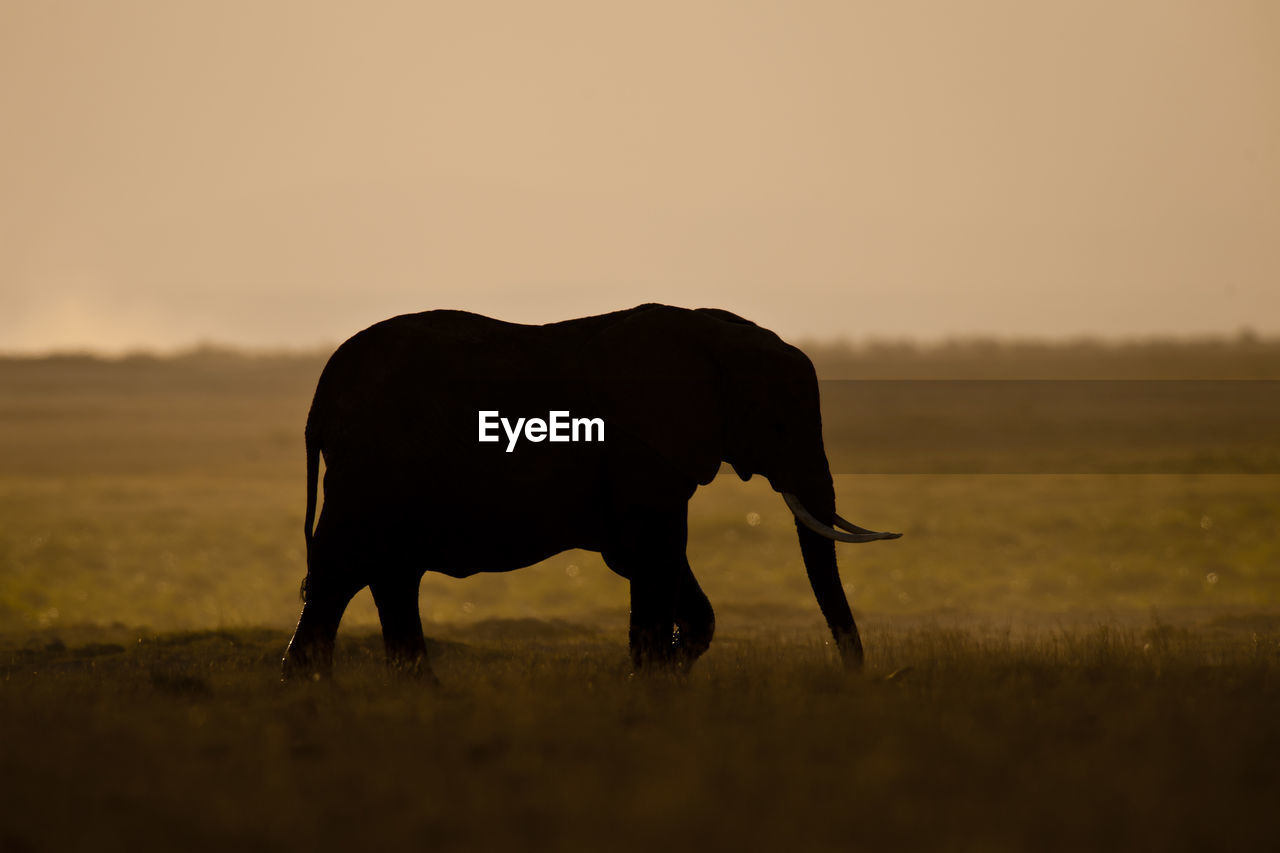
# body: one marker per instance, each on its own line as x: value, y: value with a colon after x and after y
x: 413, y: 484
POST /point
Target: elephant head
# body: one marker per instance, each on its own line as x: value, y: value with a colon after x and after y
x: 738, y: 393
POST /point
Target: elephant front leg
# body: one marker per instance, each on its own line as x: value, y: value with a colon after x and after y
x: 648, y: 549
x: 397, y: 602
x: 653, y: 614
x: 695, y: 620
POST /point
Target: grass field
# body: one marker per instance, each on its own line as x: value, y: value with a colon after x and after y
x: 1076, y: 644
x: 1081, y: 738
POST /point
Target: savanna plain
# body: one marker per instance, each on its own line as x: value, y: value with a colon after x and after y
x: 1076, y: 645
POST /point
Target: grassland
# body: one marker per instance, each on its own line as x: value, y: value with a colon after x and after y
x: 1075, y: 646
x: 1154, y: 739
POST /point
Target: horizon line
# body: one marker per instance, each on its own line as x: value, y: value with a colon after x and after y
x: 865, y: 343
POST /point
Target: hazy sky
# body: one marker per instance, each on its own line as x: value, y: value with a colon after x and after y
x: 286, y: 173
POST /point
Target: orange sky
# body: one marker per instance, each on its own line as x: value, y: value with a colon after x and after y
x: 270, y: 173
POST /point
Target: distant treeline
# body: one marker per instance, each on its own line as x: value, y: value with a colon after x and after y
x: 1244, y: 356
x: 202, y: 369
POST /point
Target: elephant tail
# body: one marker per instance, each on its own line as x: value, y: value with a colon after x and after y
x: 313, y: 478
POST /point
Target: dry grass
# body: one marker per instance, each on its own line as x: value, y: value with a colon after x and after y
x: 1154, y: 738
x: 1084, y: 660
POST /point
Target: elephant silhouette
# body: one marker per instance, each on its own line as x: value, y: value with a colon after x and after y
x: 410, y: 485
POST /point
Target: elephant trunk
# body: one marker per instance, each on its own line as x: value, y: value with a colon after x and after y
x: 819, y: 553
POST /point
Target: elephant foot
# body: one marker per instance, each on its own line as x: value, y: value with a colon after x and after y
x: 307, y: 659
x: 660, y: 655
x: 691, y: 644
x: 653, y: 648
x: 295, y: 669
x: 415, y: 670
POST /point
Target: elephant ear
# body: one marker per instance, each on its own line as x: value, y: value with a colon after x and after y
x: 765, y: 385
x: 661, y: 387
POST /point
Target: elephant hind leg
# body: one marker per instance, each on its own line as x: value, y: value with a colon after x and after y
x: 695, y: 620
x: 396, y: 598
x: 327, y: 591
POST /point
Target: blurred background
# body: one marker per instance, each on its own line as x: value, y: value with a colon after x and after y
x: 280, y: 174
x: 212, y: 196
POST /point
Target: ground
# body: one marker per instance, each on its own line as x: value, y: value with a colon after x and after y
x: 1158, y: 738
x: 1075, y: 645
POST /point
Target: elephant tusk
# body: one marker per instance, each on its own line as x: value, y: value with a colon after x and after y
x: 857, y: 534
x: 846, y: 524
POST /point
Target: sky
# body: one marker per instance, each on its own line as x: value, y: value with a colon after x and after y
x: 278, y: 174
